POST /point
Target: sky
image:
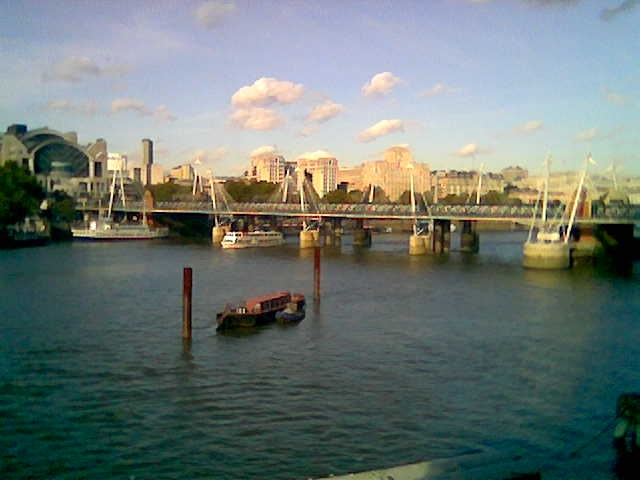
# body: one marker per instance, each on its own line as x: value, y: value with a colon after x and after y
x: 459, y: 82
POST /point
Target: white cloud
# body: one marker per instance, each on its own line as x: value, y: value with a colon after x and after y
x: 264, y: 150
x: 316, y: 155
x: 383, y: 127
x: 530, y: 126
x: 438, y: 89
x: 256, y: 119
x: 308, y: 130
x: 266, y: 91
x: 380, y: 84
x: 211, y: 14
x: 615, y: 98
x: 73, y: 69
x: 624, y: 7
x: 129, y: 105
x: 587, y: 135
x: 468, y: 150
x: 162, y: 114
x: 70, y: 106
x: 78, y: 69
x: 325, y: 111
x: 210, y: 156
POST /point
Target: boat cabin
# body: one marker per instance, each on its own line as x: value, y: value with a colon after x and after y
x: 266, y: 303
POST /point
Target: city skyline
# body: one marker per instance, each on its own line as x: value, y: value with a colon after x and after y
x: 459, y: 82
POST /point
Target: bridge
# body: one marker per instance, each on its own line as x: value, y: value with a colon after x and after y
x: 611, y: 214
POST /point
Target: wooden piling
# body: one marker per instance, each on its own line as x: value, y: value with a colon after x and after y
x: 316, y: 274
x: 187, y: 288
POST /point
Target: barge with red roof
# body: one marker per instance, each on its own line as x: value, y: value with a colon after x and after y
x: 260, y: 310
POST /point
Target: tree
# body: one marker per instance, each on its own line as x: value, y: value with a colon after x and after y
x: 242, y: 191
x: 20, y: 194
x: 337, y: 196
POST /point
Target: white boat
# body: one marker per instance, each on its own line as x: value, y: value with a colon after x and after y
x: 105, y: 229
x: 270, y: 238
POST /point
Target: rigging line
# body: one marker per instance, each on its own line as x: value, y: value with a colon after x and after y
x: 608, y: 425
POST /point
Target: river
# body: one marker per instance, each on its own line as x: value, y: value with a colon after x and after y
x: 404, y: 359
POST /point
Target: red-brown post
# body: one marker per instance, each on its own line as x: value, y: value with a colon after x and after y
x: 187, y: 284
x: 316, y: 274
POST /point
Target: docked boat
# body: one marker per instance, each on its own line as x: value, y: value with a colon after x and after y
x: 257, y: 311
x: 269, y: 238
x: 106, y: 230
x: 294, y: 311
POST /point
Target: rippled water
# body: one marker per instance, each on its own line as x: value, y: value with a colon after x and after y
x: 405, y: 359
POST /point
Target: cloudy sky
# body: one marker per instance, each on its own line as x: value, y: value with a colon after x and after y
x: 461, y: 82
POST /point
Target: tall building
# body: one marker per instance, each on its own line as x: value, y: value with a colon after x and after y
x: 393, y: 173
x: 267, y: 167
x: 323, y: 167
x: 147, y: 160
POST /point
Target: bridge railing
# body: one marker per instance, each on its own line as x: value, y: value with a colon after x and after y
x: 609, y: 212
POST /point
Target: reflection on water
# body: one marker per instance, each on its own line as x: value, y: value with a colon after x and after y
x: 404, y: 359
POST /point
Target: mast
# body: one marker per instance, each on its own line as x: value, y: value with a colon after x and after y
x: 545, y: 200
x: 479, y: 184
x: 213, y: 200
x: 301, y: 183
x: 577, y: 199
x: 113, y: 189
x: 413, y: 201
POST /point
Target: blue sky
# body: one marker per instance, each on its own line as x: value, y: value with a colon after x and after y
x: 461, y: 82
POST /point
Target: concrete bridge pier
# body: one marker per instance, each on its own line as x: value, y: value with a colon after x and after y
x: 469, y: 238
x: 309, y: 238
x: 217, y: 234
x: 361, y: 235
x: 333, y: 233
x: 441, y: 236
x: 418, y: 244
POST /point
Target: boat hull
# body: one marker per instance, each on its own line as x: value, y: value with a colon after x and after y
x: 238, y: 240
x: 119, y: 234
x: 285, y: 317
x: 546, y: 256
x: 232, y: 320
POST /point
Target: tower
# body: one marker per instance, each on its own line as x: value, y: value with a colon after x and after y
x: 147, y: 160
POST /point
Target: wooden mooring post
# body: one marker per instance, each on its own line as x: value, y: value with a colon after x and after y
x: 187, y: 288
x: 316, y: 274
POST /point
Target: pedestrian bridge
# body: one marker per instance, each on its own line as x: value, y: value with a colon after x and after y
x: 614, y: 214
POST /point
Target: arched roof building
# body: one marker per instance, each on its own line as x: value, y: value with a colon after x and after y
x: 56, y: 159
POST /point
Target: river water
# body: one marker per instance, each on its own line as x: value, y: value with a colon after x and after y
x: 404, y: 359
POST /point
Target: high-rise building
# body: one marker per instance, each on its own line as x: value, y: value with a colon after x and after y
x: 323, y: 167
x: 147, y: 160
x: 267, y: 167
x: 393, y: 173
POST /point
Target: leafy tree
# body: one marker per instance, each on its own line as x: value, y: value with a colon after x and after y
x: 405, y: 198
x: 20, y: 194
x: 62, y: 207
x: 242, y: 191
x: 337, y: 196
x: 453, y: 199
x: 166, y: 192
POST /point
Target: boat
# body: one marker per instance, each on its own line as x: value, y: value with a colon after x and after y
x: 236, y: 240
x: 294, y: 311
x: 104, y: 229
x: 256, y: 311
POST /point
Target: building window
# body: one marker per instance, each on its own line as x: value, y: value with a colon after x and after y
x: 98, y: 169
